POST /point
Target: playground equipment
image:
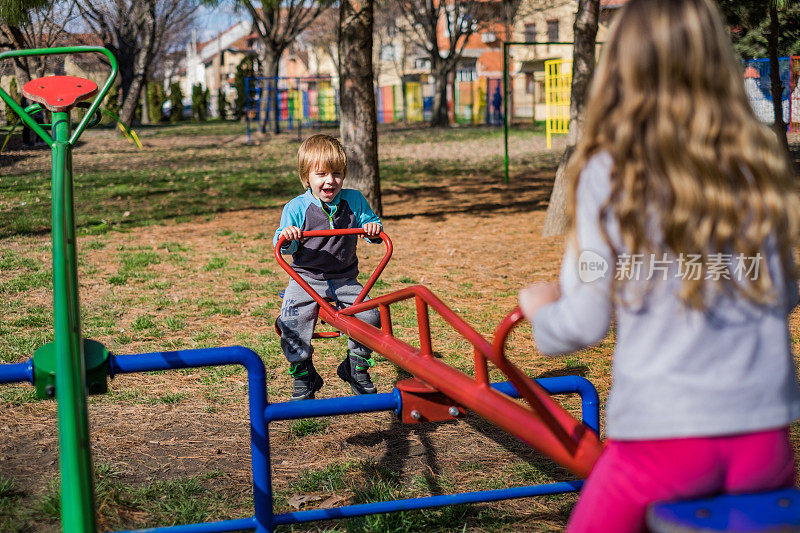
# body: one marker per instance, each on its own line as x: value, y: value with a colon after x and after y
x: 297, y: 102
x: 545, y: 425
x: 557, y: 91
x: 758, y: 86
x: 72, y: 367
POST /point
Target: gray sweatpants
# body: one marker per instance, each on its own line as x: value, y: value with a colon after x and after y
x: 299, y: 314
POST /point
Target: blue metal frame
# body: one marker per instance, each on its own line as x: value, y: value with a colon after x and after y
x: 262, y: 413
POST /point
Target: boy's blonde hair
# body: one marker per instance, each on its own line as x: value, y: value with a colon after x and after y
x: 668, y: 104
x: 320, y: 151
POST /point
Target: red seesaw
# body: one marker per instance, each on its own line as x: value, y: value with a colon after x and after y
x: 542, y: 423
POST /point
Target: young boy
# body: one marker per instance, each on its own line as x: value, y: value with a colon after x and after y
x: 328, y: 264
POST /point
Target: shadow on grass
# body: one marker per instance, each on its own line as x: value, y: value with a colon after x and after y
x: 470, y: 195
x: 407, y: 442
x: 580, y: 370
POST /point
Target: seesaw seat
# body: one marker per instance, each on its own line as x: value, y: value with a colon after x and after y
x: 776, y: 511
x: 59, y: 93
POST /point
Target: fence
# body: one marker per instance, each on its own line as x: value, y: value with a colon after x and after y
x: 301, y: 102
x: 313, y: 102
x: 474, y: 102
x: 758, y: 86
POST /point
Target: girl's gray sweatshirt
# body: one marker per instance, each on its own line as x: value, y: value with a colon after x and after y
x: 677, y: 372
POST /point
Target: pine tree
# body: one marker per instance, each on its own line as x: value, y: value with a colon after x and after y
x: 243, y: 71
x: 748, y: 21
x: 155, y: 101
x: 12, y: 117
x: 222, y: 104
x: 176, y: 102
x: 197, y: 102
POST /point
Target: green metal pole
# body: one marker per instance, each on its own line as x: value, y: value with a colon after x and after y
x: 505, y: 108
x: 77, y: 494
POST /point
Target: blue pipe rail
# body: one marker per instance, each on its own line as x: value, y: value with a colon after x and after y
x: 262, y: 413
x: 427, y: 502
x: 241, y: 524
x: 257, y: 398
x: 17, y: 372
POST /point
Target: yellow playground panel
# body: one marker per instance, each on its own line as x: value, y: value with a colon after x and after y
x: 414, y: 101
x: 557, y: 86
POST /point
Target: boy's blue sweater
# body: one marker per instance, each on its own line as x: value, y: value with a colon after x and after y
x: 326, y: 257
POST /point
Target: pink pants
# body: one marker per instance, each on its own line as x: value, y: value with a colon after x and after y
x: 632, y: 474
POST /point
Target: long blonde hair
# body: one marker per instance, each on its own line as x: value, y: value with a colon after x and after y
x: 668, y: 104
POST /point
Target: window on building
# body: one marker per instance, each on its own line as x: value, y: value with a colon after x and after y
x: 552, y: 30
x: 530, y: 33
x: 529, y: 84
x: 422, y: 64
x: 466, y: 73
x: 539, y: 96
x: 388, y: 52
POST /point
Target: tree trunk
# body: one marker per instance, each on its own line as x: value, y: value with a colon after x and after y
x: 141, y: 63
x: 583, y: 59
x: 358, y: 121
x: 440, y: 116
x: 131, y: 100
x: 145, y: 106
x: 268, y: 102
x: 127, y: 68
x: 775, y: 74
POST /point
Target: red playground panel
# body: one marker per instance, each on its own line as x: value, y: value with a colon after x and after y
x: 59, y: 93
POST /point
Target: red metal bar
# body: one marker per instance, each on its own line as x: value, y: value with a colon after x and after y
x: 545, y: 426
x: 386, y: 320
x: 481, y: 369
x: 424, y: 328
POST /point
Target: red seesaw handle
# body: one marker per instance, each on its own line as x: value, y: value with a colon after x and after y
x: 330, y: 233
x: 572, y: 434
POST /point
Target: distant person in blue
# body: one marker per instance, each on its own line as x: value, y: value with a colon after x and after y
x: 497, y: 105
x: 328, y: 264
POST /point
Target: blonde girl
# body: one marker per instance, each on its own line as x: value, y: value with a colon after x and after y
x: 682, y: 217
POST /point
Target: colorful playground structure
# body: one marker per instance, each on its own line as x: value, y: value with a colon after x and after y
x: 758, y: 86
x: 313, y: 102
x: 71, y: 367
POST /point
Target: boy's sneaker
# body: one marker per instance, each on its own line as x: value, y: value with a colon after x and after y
x: 354, y: 370
x: 306, y: 380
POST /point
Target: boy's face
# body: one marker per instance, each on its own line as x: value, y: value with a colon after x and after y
x: 325, y: 183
